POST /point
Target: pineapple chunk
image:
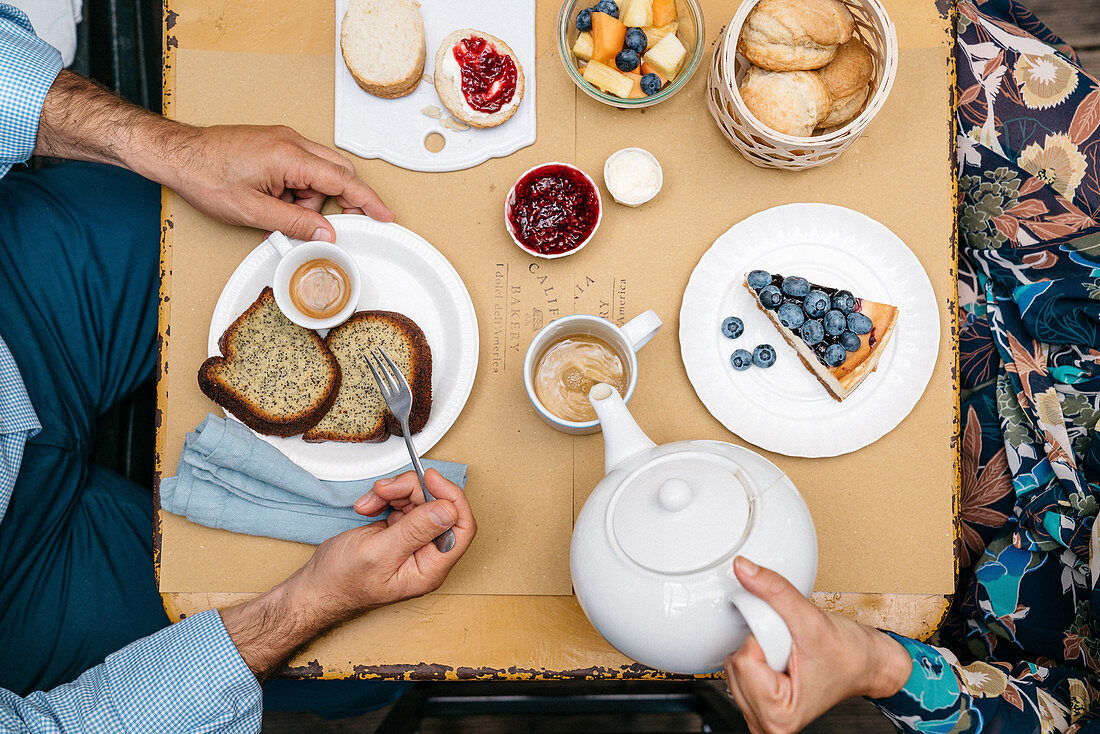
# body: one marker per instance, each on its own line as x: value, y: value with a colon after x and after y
x: 636, y: 13
x: 666, y: 56
x: 655, y: 34
x: 610, y: 80
x: 582, y: 49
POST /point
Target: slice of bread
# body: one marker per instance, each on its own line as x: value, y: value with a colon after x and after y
x: 448, y: 81
x: 382, y: 42
x: 274, y: 376
x: 359, y: 413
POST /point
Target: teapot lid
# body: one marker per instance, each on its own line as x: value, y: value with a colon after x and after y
x: 681, y: 512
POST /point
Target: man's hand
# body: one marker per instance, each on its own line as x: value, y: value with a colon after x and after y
x: 263, y: 177
x: 358, y: 570
x: 832, y: 658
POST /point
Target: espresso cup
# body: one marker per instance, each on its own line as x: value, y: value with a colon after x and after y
x: 625, y: 340
x: 291, y: 257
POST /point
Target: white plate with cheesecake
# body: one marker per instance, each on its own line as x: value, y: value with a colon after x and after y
x: 806, y: 404
x: 401, y: 272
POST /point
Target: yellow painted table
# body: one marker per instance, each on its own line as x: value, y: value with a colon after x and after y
x: 885, y: 515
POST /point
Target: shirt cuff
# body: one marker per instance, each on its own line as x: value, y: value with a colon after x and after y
x: 28, y: 67
x: 932, y: 690
x: 189, y: 673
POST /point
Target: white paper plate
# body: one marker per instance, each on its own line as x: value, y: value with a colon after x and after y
x: 403, y: 273
x: 395, y: 129
x: 784, y: 408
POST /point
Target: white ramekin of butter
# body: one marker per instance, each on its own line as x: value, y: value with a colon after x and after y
x: 632, y: 176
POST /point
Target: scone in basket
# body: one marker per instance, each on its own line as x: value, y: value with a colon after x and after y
x: 771, y: 149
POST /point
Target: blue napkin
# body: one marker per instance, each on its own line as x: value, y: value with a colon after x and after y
x: 228, y: 478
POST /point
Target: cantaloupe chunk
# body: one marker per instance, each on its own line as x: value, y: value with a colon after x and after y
x: 636, y: 92
x: 608, y: 35
x: 647, y: 69
x: 664, y: 12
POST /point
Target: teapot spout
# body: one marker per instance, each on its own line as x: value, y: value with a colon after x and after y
x: 622, y: 438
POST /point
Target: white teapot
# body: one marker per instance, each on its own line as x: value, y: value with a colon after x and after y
x: 653, y: 546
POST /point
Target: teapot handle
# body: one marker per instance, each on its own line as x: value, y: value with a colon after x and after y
x: 768, y: 627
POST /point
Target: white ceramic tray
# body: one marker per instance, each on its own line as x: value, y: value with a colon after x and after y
x: 403, y: 273
x: 784, y: 408
x: 395, y: 130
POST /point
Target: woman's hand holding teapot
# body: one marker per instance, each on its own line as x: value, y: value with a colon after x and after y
x: 832, y: 658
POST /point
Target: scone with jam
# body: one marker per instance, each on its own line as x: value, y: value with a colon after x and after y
x: 839, y: 337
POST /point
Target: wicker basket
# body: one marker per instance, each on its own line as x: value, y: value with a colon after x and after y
x: 771, y: 149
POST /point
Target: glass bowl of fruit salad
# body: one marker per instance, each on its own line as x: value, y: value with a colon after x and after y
x: 630, y: 53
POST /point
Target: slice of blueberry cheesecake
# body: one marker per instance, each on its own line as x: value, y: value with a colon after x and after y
x: 839, y: 337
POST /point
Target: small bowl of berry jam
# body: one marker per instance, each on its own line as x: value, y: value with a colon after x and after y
x: 553, y: 210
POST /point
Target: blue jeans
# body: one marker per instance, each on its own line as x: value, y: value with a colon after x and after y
x: 78, y: 309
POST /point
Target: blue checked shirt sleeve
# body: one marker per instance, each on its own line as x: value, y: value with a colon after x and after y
x: 188, y: 677
x: 28, y: 66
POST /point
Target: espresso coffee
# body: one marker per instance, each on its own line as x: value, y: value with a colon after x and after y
x: 568, y: 369
x: 319, y: 288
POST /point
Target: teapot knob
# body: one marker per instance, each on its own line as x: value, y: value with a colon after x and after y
x: 674, y: 495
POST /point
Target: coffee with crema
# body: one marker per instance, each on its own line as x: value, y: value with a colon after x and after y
x: 570, y: 367
x: 319, y: 288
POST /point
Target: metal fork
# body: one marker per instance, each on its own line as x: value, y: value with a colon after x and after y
x: 395, y: 390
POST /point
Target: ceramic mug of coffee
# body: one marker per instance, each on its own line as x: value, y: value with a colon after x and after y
x: 317, y: 284
x: 571, y: 354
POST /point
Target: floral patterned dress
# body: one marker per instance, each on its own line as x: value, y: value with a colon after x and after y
x: 1020, y: 651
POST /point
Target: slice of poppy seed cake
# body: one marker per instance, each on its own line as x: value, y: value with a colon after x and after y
x: 274, y: 376
x: 359, y: 413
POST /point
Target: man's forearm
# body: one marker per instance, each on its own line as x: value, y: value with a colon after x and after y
x: 267, y: 630
x: 82, y: 120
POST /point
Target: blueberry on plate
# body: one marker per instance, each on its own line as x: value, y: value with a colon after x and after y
x: 844, y: 301
x: 636, y: 40
x: 796, y: 287
x: 650, y: 83
x: 733, y: 327
x: 584, y: 20
x: 859, y: 323
x: 763, y: 356
x: 850, y: 341
x: 790, y: 315
x: 627, y: 59
x: 816, y: 304
x: 835, y: 355
x: 759, y: 279
x: 835, y: 322
x: 812, y: 332
x: 606, y: 6
x: 741, y: 360
x: 770, y: 297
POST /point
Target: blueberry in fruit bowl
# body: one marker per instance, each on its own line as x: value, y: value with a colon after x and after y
x: 741, y: 360
x: 859, y: 323
x: 850, y: 341
x: 759, y: 279
x: 636, y: 40
x: 650, y: 84
x: 627, y: 60
x: 844, y: 301
x: 763, y: 356
x: 796, y: 287
x: 835, y: 322
x: 835, y: 355
x: 816, y: 304
x: 770, y: 297
x: 790, y: 315
x: 606, y: 6
x: 733, y: 327
x: 584, y: 20
x: 812, y: 332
